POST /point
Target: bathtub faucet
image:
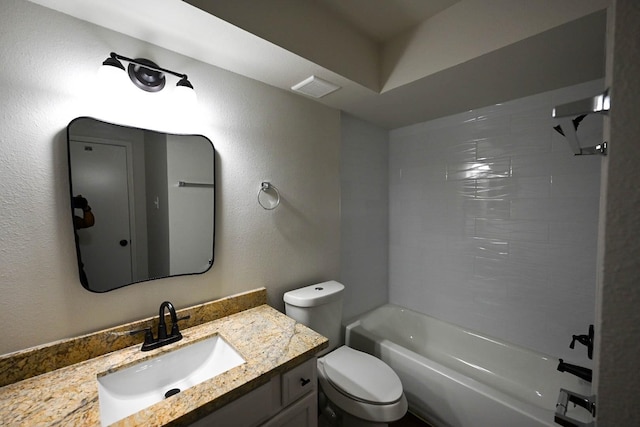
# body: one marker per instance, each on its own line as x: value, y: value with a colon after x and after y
x: 578, y: 371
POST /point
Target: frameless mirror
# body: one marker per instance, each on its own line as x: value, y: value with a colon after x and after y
x: 143, y: 203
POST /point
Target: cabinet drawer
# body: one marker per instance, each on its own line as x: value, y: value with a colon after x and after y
x: 299, y: 381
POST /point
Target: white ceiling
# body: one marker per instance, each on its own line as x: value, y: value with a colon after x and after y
x: 380, y: 20
x: 398, y: 62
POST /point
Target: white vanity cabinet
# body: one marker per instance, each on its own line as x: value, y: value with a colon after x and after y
x: 288, y: 400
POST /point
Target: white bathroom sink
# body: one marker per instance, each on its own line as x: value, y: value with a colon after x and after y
x: 132, y: 389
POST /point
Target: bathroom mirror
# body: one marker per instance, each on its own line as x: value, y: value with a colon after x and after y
x: 142, y: 202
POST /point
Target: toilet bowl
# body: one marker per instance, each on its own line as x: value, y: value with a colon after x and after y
x: 361, y: 389
x: 362, y: 385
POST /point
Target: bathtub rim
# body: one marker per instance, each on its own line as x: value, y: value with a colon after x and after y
x: 354, y: 319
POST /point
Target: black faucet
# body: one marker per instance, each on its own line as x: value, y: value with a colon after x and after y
x: 578, y: 371
x: 162, y: 327
x: 163, y: 339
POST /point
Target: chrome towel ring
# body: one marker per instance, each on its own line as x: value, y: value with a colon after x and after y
x: 267, y: 191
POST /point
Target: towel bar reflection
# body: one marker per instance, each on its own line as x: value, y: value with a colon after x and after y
x: 195, y: 184
x: 266, y: 188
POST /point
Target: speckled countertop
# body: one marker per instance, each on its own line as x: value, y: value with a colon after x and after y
x: 270, y: 342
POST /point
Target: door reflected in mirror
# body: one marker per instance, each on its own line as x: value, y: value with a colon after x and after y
x: 142, y: 201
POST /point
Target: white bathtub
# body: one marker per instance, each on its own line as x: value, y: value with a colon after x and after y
x: 459, y: 378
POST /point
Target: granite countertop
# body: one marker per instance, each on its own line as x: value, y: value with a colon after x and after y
x: 270, y: 342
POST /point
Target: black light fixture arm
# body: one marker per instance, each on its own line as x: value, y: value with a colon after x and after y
x: 150, y: 67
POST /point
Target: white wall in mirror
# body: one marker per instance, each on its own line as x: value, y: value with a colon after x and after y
x: 187, y: 204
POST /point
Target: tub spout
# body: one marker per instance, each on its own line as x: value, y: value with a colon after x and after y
x: 578, y: 371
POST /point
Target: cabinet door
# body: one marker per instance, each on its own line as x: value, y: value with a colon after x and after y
x: 298, y: 381
x: 303, y: 413
x: 247, y: 411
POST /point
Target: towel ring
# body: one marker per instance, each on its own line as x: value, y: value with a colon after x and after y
x: 265, y: 188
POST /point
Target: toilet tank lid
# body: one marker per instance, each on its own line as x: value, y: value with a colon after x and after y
x: 313, y: 295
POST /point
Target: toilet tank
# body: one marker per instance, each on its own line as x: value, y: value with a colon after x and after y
x: 318, y: 307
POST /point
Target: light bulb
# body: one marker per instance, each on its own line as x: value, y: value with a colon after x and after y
x: 185, y: 97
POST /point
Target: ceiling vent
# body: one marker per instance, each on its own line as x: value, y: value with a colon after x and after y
x: 315, y: 87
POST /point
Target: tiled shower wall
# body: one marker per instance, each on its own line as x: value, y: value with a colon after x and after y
x: 493, y: 222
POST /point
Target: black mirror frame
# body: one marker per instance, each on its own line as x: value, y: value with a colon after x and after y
x: 82, y: 275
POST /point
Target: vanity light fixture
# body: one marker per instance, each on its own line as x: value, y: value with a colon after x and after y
x: 146, y: 74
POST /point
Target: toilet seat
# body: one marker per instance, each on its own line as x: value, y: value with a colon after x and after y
x: 362, y: 376
x: 362, y: 385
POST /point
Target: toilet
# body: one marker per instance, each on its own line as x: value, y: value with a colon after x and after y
x: 356, y: 389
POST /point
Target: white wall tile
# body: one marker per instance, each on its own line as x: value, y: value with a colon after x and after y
x: 538, y: 164
x: 531, y: 209
x: 574, y: 185
x: 533, y: 187
x: 506, y: 245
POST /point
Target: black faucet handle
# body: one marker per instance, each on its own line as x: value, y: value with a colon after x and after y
x: 175, y: 330
x: 575, y: 338
x: 148, y: 335
x: 586, y: 340
x: 582, y: 339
